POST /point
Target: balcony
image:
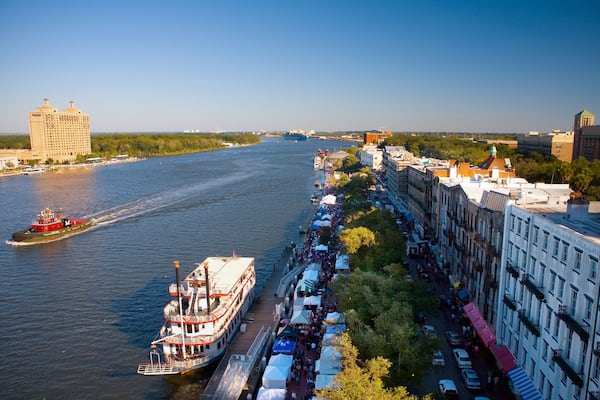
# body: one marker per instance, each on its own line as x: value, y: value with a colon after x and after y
x: 533, y: 328
x: 538, y: 292
x: 511, y: 269
x: 558, y: 358
x: 510, y: 303
x: 572, y: 323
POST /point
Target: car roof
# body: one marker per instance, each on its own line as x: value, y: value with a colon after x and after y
x: 461, y: 352
x: 448, y: 383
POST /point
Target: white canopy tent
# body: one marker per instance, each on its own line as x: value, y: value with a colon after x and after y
x: 330, y: 339
x: 275, y: 377
x: 342, y: 262
x: 312, y: 301
x: 321, y: 247
x: 328, y: 366
x: 300, y: 317
x: 270, y: 394
x: 335, y: 318
x: 324, y: 381
x: 284, y: 361
x: 314, y: 267
x: 330, y: 352
x: 330, y: 200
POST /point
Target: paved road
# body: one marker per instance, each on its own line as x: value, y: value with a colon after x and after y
x: 442, y: 322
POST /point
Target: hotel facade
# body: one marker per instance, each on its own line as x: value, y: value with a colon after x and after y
x: 59, y: 135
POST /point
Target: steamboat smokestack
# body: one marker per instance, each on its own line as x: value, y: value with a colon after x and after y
x: 177, y: 280
x: 207, y: 288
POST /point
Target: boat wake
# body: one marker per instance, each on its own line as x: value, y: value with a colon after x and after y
x: 162, y: 200
x: 152, y: 203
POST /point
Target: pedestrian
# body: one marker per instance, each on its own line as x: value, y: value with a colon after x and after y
x: 496, y: 381
x: 489, y: 380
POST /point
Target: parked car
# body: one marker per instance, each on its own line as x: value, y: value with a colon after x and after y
x: 471, y: 379
x: 462, y: 358
x: 438, y: 359
x: 409, y: 278
x: 453, y: 338
x: 429, y: 331
x: 448, y: 388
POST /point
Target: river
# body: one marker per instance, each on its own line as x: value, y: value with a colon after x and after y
x: 79, y: 313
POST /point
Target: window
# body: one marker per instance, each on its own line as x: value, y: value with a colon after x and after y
x: 556, y: 247
x: 565, y: 252
x: 574, y: 293
x: 532, y: 369
x: 532, y: 265
x: 593, y: 267
x: 589, y: 304
x: 549, y: 392
x: 552, y: 282
x: 548, y: 317
x: 512, y: 223
x: 578, y: 256
x: 545, y: 350
x: 536, y: 235
x: 596, y: 372
x: 545, y: 241
x: 556, y: 327
x: 526, y: 233
x: 542, y: 274
x: 542, y: 382
x: 519, y: 226
x: 561, y: 288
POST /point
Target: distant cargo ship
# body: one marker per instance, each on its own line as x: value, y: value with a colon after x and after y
x: 211, y: 303
x: 297, y: 135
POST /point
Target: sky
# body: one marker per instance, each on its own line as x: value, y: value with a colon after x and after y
x: 168, y: 66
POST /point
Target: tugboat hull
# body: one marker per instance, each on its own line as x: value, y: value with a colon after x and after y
x: 28, y: 236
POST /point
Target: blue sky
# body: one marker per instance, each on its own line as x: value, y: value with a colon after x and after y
x: 139, y: 66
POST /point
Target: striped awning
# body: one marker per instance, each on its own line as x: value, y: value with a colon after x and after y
x: 523, y: 385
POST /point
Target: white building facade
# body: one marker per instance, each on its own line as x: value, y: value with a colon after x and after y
x: 549, y: 294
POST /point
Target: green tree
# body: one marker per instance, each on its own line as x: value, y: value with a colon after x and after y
x: 362, y: 380
x: 354, y: 239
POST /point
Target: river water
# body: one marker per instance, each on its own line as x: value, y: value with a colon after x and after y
x: 78, y: 314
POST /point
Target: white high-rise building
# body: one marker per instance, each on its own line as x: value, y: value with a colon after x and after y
x: 549, y: 293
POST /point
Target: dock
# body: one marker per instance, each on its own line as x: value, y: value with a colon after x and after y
x: 238, y: 374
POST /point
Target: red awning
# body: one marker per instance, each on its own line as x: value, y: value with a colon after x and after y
x: 485, y: 333
x: 487, y: 336
x: 504, y: 358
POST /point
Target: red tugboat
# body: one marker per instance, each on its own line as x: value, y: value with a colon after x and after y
x: 51, y: 226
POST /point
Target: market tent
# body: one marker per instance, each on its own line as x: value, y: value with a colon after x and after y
x: 335, y: 328
x: 324, y: 381
x: 310, y: 275
x: 270, y: 394
x: 321, y: 223
x: 312, y: 301
x: 330, y: 339
x: 321, y: 247
x: 314, y: 267
x: 283, y: 360
x: 330, y: 352
x: 275, y: 377
x: 300, y: 317
x: 328, y: 366
x: 342, y: 262
x: 304, y: 286
x: 335, y: 318
x: 283, y: 346
x: 288, y: 331
x: 326, y: 216
x: 328, y: 200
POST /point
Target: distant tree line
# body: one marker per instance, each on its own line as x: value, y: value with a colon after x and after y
x: 146, y: 145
